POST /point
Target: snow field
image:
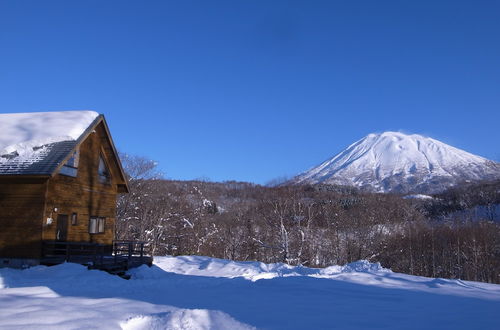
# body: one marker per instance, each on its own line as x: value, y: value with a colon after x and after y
x: 193, y: 292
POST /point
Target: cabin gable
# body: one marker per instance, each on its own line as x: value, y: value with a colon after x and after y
x: 81, y: 204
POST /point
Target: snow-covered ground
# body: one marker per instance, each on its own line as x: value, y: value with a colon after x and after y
x: 205, y: 293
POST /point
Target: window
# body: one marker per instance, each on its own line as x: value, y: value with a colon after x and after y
x: 96, y: 225
x: 103, y: 172
x: 70, y: 168
x: 74, y: 219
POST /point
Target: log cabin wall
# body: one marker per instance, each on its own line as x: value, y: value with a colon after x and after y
x: 21, y: 211
x: 84, y: 195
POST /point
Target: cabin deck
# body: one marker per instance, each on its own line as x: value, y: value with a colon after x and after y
x: 115, y: 259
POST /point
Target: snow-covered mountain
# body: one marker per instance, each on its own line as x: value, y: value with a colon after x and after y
x: 397, y: 162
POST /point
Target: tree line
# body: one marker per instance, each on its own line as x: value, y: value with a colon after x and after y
x: 314, y: 226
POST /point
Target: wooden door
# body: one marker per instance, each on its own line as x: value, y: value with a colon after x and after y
x: 62, y: 227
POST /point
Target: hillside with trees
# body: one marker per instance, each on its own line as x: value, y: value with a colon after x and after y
x: 312, y: 225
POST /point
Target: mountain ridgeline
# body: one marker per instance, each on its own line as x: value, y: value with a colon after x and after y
x: 400, y: 163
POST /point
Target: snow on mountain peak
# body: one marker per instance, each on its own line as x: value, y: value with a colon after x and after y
x: 399, y: 162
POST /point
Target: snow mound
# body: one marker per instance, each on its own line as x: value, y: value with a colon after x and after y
x: 65, y: 273
x: 418, y: 196
x: 194, y: 319
x: 21, y: 132
x: 361, y: 266
x: 249, y: 270
x: 397, y: 162
x: 213, y: 267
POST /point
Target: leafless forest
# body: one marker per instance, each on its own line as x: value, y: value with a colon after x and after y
x: 454, y: 235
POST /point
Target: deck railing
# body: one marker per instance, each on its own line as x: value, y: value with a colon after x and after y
x: 97, y: 254
x: 130, y: 249
x: 75, y: 251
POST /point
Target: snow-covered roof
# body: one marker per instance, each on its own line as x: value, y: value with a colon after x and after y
x: 35, y: 143
x: 20, y: 131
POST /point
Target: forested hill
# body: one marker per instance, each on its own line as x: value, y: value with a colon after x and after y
x: 314, y: 226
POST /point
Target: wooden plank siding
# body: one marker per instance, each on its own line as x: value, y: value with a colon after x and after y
x: 85, y: 195
x: 21, y: 211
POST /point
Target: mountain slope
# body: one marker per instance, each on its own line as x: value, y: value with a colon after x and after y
x: 397, y: 162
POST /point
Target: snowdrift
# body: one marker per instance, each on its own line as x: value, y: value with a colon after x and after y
x: 193, y: 292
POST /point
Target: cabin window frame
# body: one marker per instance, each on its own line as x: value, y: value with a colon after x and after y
x: 70, y: 167
x: 103, y: 173
x: 74, y: 219
x: 97, y: 225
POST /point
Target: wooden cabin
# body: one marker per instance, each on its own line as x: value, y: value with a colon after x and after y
x: 60, y: 176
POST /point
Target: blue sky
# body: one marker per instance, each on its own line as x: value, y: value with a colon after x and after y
x: 254, y: 90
